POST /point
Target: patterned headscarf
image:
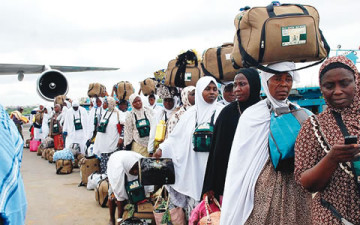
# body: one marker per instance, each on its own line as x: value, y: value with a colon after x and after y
x: 166, y: 92
x: 111, y: 103
x: 354, y: 107
x: 185, y: 96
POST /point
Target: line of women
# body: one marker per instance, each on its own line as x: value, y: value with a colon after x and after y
x: 238, y: 166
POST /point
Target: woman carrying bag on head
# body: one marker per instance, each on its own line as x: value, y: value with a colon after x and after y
x: 137, y: 126
x: 107, y: 137
x: 189, y: 144
x: 325, y: 162
x: 258, y: 191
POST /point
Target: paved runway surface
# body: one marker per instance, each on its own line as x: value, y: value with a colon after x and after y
x: 56, y: 199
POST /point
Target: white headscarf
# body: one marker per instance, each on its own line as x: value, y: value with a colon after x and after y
x: 132, y: 98
x: 283, y: 66
x: 250, y: 144
x: 75, y: 103
x: 189, y: 165
x: 120, y: 164
x: 204, y: 110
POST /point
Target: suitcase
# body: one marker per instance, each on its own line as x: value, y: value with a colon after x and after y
x: 101, y: 193
x: 123, y: 90
x: 96, y: 90
x: 217, y: 63
x: 58, y: 142
x: 156, y: 171
x: 183, y: 71
x: 148, y: 86
x: 34, y: 144
x: 87, y: 167
x: 289, y: 32
x: 63, y: 166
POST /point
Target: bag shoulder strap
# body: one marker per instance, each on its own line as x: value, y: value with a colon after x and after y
x: 218, y: 55
x: 212, y: 118
x: 340, y: 123
x: 124, y: 95
x: 207, y: 73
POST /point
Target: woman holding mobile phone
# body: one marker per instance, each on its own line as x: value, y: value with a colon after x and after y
x: 326, y: 148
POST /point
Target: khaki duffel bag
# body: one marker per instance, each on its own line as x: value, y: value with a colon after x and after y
x: 40, y: 151
x: 279, y: 33
x: 217, y: 62
x: 47, y: 151
x: 148, y: 86
x: 78, y: 157
x: 96, y: 90
x: 101, y: 193
x: 60, y: 99
x: 183, y: 71
x: 51, y: 155
x: 63, y: 166
x: 87, y: 167
x: 123, y: 90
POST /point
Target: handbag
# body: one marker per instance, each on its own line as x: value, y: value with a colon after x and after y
x: 119, y: 127
x: 164, y: 215
x: 211, y: 218
x: 289, y: 32
x: 104, y: 123
x: 156, y: 171
x: 203, y: 135
x: 285, y: 125
x: 143, y: 126
x: 134, y: 190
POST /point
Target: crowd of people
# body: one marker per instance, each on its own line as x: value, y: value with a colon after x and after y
x: 318, y: 184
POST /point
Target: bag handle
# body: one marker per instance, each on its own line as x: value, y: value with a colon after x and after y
x: 208, y: 209
x: 207, y: 73
x: 158, y: 198
x: 218, y: 56
x: 124, y: 95
x: 271, y: 13
x: 249, y: 61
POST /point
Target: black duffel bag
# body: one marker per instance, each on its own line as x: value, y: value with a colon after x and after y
x: 154, y: 171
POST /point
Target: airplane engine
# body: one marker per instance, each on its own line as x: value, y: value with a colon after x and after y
x: 52, y: 83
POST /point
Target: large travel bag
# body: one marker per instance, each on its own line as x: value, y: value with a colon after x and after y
x: 96, y: 90
x: 156, y: 171
x: 101, y: 192
x: 64, y: 166
x: 148, y: 86
x: 87, y: 167
x: 183, y: 71
x: 60, y: 99
x: 48, y: 142
x: 271, y: 34
x: 34, y: 144
x: 123, y: 90
x: 51, y: 155
x: 217, y: 62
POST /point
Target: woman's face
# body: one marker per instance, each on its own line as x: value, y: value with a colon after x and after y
x: 137, y: 104
x: 191, y: 97
x: 105, y: 105
x: 210, y: 93
x: 338, y: 87
x: 169, y: 103
x: 241, y: 88
x: 280, y: 86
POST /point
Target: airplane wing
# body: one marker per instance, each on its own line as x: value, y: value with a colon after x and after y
x: 9, y: 69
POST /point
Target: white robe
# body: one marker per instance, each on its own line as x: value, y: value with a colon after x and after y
x: 107, y: 142
x: 94, y: 111
x: 76, y: 136
x: 45, y: 123
x: 189, y: 165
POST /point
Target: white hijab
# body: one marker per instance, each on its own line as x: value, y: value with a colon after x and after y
x: 189, y: 165
x: 250, y: 145
x: 118, y: 165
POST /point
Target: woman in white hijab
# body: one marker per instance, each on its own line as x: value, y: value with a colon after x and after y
x: 254, y: 192
x: 95, y: 115
x: 45, y: 122
x: 120, y: 164
x: 190, y: 165
x: 76, y: 126
x: 107, y: 137
x: 137, y: 119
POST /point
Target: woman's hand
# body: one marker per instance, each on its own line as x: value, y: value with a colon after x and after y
x: 158, y: 153
x: 340, y: 153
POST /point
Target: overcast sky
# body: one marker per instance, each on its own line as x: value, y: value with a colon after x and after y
x: 140, y: 37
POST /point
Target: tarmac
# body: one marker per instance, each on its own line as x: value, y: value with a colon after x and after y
x: 56, y: 199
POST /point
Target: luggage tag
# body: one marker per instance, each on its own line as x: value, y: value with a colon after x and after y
x: 142, y: 123
x: 77, y: 123
x: 188, y: 76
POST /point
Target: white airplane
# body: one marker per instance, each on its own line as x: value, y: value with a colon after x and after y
x: 52, y: 81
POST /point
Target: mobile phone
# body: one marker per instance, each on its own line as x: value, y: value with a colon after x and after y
x: 350, y: 140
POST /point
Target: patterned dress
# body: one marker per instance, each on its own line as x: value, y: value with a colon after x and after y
x: 341, y: 190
